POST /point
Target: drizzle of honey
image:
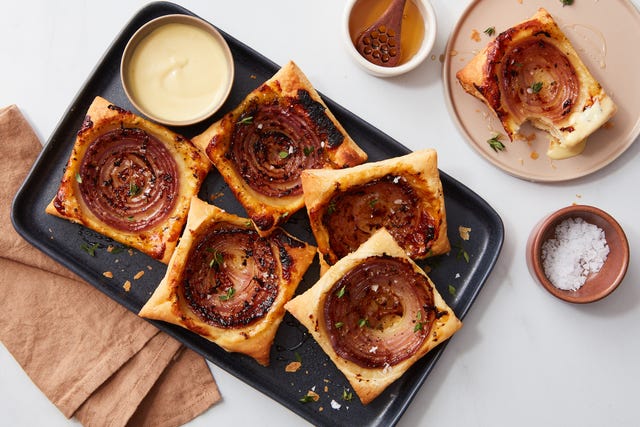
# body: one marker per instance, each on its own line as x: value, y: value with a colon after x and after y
x: 365, y: 12
x: 595, y: 45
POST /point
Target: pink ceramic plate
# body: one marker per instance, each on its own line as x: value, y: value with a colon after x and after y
x: 606, y: 35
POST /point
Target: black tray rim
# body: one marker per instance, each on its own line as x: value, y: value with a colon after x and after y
x: 496, y: 225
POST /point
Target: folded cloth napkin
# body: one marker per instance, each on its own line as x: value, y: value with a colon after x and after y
x: 91, y: 357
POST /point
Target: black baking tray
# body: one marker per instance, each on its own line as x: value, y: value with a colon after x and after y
x: 459, y: 276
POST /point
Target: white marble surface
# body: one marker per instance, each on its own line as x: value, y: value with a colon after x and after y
x: 523, y: 358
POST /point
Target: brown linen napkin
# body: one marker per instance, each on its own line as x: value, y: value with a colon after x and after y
x: 91, y: 357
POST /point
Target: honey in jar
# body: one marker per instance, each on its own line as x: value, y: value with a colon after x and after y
x: 365, y: 12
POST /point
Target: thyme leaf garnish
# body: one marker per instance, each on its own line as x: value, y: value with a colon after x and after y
x: 134, y: 190
x: 90, y: 249
x: 228, y: 295
x: 217, y: 260
x: 462, y: 253
x: 495, y: 143
x: 452, y: 290
x: 536, y: 87
x: 245, y: 120
x: 347, y: 394
x: 332, y: 207
x: 419, y: 324
x: 309, y: 397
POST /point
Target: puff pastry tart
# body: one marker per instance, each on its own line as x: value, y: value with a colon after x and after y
x: 532, y: 72
x: 260, y: 148
x: 403, y: 194
x: 375, y: 313
x: 130, y: 179
x: 227, y: 284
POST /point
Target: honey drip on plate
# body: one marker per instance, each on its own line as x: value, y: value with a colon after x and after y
x: 365, y: 12
x: 591, y: 42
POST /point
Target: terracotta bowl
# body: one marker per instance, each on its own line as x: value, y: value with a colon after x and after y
x: 598, y: 285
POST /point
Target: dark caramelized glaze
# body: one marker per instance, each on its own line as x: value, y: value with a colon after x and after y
x: 379, y: 313
x: 391, y: 202
x: 277, y: 138
x: 537, y: 62
x: 231, y: 276
x: 128, y: 179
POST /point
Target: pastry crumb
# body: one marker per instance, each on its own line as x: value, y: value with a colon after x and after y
x: 214, y: 196
x: 464, y: 232
x: 475, y: 35
x: 534, y: 155
x: 108, y: 274
x: 127, y: 286
x: 293, y: 367
x: 138, y: 275
x: 528, y: 138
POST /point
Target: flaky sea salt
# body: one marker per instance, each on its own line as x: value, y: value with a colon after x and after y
x: 578, y: 249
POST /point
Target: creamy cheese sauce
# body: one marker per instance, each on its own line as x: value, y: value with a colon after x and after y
x: 558, y: 151
x: 178, y: 72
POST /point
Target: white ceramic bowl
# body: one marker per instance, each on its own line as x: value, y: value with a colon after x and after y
x: 210, y: 103
x: 430, y: 30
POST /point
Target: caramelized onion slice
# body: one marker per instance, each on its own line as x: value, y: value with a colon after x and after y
x: 353, y: 215
x: 379, y: 313
x: 230, y: 277
x: 128, y: 179
x: 275, y: 140
x: 538, y: 80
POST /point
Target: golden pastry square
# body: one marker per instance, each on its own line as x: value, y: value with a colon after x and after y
x: 278, y: 130
x: 531, y: 72
x: 375, y: 313
x: 130, y: 179
x: 228, y: 284
x: 403, y: 194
